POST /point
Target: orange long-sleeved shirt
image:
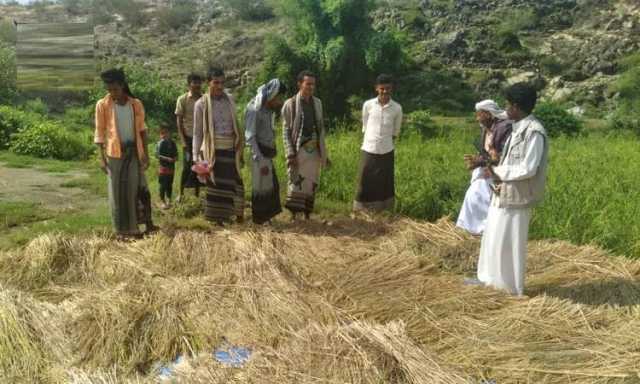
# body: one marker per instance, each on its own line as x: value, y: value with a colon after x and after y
x: 106, y: 131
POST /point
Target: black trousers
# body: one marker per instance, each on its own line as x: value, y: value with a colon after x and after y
x: 188, y: 179
x: 166, y: 186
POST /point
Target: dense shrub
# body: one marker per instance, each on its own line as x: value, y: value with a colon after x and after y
x: 517, y: 20
x: 47, y: 139
x: 552, y: 65
x: 181, y: 14
x: 8, y: 74
x: 78, y: 119
x: 8, y: 33
x: 76, y: 7
x: 133, y: 11
x: 420, y: 122
x: 12, y: 120
x: 250, y: 10
x: 36, y: 106
x: 557, y: 121
x: 627, y: 114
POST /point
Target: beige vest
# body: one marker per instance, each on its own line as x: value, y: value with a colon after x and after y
x: 529, y: 192
x: 208, y: 147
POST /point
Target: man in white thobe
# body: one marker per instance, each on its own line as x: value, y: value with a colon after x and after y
x: 522, y: 176
x: 496, y: 129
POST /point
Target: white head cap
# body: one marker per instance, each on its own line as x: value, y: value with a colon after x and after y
x: 493, y: 108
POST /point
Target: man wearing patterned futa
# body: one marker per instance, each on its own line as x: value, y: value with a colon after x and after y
x: 304, y: 142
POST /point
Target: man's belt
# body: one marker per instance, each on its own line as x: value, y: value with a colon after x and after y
x: 310, y: 144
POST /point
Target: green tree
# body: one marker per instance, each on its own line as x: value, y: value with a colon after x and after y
x: 8, y: 73
x: 333, y: 38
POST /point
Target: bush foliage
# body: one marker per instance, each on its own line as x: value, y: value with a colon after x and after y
x: 11, y: 120
x: 627, y: 114
x: 8, y: 74
x: 334, y: 39
x: 181, y: 14
x: 31, y: 133
x: 557, y: 121
x: 250, y: 10
x: 47, y: 139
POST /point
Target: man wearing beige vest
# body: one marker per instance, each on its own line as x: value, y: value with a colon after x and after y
x: 521, y: 177
x: 304, y: 144
x: 218, y: 142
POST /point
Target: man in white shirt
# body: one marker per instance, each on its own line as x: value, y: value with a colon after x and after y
x: 381, y: 121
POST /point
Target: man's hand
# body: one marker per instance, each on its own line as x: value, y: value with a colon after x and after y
x: 494, y: 155
x: 471, y: 161
x: 144, y: 163
x: 493, y: 174
x: 264, y: 171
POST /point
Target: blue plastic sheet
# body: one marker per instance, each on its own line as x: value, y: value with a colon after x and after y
x: 233, y: 356
x: 166, y: 371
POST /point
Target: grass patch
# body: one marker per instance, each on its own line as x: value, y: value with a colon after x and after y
x: 588, y: 201
x: 15, y: 214
x: 13, y: 160
x: 98, y: 220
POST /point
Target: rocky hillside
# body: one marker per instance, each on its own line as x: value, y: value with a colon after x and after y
x: 569, y: 48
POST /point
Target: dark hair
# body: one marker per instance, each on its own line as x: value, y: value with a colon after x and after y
x: 306, y: 73
x: 116, y: 76
x: 214, y: 72
x: 523, y: 95
x: 164, y: 127
x: 383, y: 78
x: 194, y: 77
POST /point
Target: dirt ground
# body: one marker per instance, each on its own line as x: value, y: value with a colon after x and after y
x: 41, y: 187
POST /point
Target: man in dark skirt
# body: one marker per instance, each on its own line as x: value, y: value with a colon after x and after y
x: 260, y: 136
x: 218, y: 141
x: 381, y: 121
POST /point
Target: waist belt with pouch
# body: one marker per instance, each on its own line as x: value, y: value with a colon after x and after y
x: 267, y: 152
x: 310, y: 145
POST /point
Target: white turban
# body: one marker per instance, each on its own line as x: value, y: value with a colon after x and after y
x: 493, y: 108
x: 267, y: 92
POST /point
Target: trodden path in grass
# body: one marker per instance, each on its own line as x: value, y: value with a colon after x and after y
x: 46, y: 189
x: 36, y: 200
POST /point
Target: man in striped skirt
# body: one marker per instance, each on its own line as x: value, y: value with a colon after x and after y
x: 217, y: 140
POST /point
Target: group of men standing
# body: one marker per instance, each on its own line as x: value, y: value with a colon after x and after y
x: 508, y: 173
x: 213, y: 146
